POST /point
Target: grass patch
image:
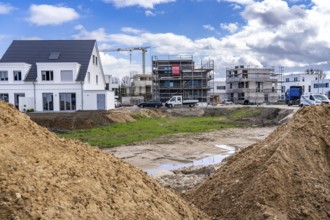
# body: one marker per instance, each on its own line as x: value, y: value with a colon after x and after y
x: 117, y: 134
x: 241, y: 113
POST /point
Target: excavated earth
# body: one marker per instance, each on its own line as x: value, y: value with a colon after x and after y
x: 43, y: 176
x: 285, y: 176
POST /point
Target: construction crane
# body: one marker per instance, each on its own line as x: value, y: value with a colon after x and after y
x: 143, y: 49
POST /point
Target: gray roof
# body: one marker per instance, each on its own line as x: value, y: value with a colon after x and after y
x: 34, y: 51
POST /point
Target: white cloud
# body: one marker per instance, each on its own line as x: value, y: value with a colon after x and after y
x: 118, y: 67
x: 242, y: 2
x: 275, y: 34
x: 5, y: 8
x: 140, y: 3
x: 149, y: 13
x: 209, y: 27
x: 51, y: 15
x: 131, y: 30
x: 231, y: 27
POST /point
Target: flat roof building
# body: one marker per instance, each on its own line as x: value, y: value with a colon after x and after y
x: 177, y: 75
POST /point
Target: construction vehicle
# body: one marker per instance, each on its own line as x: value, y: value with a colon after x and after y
x: 292, y: 95
x: 178, y: 101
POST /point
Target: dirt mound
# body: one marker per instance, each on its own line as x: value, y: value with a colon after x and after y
x: 285, y: 176
x: 130, y: 114
x: 90, y: 119
x: 45, y: 177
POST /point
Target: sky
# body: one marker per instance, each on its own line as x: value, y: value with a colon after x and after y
x: 294, y: 34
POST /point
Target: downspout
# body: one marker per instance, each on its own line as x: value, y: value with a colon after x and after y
x: 82, y: 95
x: 34, y: 94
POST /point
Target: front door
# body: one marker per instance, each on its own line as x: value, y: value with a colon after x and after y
x: 100, y: 101
x: 16, y: 96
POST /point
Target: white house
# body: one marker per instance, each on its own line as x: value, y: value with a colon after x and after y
x: 299, y: 79
x: 321, y: 86
x: 54, y: 75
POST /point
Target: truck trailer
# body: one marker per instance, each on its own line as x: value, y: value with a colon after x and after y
x: 178, y: 101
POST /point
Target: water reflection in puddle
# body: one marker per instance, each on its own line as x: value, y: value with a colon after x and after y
x: 210, y: 160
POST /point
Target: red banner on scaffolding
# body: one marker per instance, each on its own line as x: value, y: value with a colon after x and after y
x: 175, y: 69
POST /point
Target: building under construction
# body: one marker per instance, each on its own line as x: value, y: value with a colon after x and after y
x: 246, y: 85
x: 178, y: 75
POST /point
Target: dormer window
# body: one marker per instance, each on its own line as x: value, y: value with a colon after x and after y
x: 3, y: 75
x: 47, y: 75
x: 17, y: 76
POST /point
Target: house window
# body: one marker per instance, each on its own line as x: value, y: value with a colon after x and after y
x: 230, y: 85
x: 88, y: 77
x: 295, y: 79
x: 93, y: 59
x: 17, y: 76
x: 287, y: 79
x: 47, y: 75
x: 66, y: 75
x: 309, y: 88
x: 48, y: 101
x: 303, y: 79
x: 97, y: 79
x: 3, y: 75
x: 67, y: 101
x: 4, y: 96
x: 96, y: 60
x: 221, y: 87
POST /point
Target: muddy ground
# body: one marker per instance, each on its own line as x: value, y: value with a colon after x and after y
x: 177, y: 161
x: 163, y: 158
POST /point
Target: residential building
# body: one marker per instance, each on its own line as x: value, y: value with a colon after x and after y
x: 218, y: 93
x: 112, y: 84
x: 54, y: 75
x: 321, y: 86
x: 247, y: 84
x: 300, y: 79
x: 138, y: 89
x: 178, y: 75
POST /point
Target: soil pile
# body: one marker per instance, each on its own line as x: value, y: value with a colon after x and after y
x: 45, y: 177
x: 285, y: 176
x: 88, y: 119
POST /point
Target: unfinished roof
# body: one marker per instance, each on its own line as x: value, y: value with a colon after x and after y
x: 57, y: 51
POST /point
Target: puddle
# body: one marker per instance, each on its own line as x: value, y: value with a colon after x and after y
x: 210, y: 160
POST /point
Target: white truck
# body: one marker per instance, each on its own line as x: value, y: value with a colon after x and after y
x: 178, y: 101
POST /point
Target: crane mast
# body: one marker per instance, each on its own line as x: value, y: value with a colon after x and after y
x: 143, y: 49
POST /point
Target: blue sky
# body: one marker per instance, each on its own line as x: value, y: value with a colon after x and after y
x: 294, y: 34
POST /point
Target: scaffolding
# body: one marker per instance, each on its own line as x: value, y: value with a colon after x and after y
x: 178, y: 75
x: 247, y: 84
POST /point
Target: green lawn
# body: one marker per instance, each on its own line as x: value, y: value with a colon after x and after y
x: 117, y: 134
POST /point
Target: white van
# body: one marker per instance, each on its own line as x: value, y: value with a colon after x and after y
x: 313, y: 99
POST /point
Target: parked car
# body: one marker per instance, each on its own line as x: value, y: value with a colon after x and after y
x: 227, y: 102
x: 117, y: 104
x: 150, y: 103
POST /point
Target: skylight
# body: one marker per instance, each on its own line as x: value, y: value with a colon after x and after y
x: 54, y: 55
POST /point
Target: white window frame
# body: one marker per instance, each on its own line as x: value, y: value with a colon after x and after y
x: 17, y: 75
x: 3, y: 75
x: 66, y: 76
x: 47, y: 75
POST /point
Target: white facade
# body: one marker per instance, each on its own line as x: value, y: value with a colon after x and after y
x: 321, y: 86
x: 56, y: 88
x: 298, y: 79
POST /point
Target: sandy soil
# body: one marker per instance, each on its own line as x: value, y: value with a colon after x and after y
x: 185, y: 148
